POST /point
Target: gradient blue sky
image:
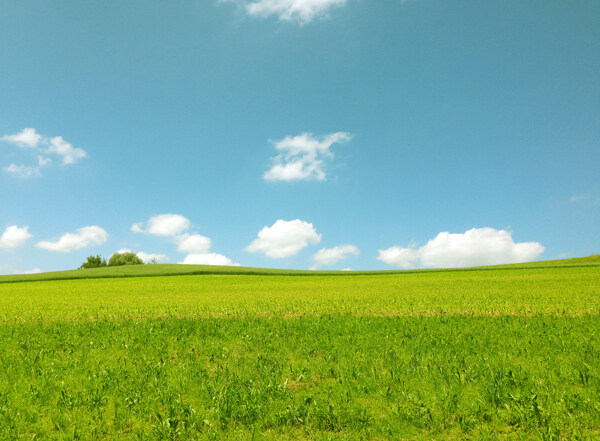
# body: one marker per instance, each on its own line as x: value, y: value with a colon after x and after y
x: 480, y: 119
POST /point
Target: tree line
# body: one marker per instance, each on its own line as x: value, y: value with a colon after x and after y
x: 117, y: 259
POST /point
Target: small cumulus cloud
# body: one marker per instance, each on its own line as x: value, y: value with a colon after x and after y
x: 299, y: 11
x: 208, y: 259
x: 163, y: 225
x: 82, y: 238
x: 68, y: 153
x: 284, y: 238
x: 329, y: 256
x: 14, y: 237
x: 193, y: 244
x: 27, y: 138
x: 301, y: 157
x: 475, y: 247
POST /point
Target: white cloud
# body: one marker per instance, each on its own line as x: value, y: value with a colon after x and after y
x: 14, y: 237
x: 31, y: 271
x: 41, y: 145
x: 146, y: 257
x: 302, y: 156
x: 175, y: 226
x: 587, y: 197
x: 476, y: 247
x: 43, y: 162
x: 399, y: 256
x: 193, y: 244
x: 22, y: 171
x: 580, y: 197
x: 284, y: 238
x: 138, y: 227
x: 208, y: 259
x: 329, y: 256
x: 301, y: 11
x: 69, y: 154
x: 82, y: 238
x: 163, y: 225
x: 25, y: 138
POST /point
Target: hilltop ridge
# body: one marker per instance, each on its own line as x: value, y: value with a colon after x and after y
x: 180, y: 269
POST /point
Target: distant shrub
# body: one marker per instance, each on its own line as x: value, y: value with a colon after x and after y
x: 93, y: 262
x: 119, y: 259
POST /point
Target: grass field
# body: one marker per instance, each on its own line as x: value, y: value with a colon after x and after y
x: 511, y: 352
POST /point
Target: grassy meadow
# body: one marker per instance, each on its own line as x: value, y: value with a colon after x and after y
x: 503, y: 353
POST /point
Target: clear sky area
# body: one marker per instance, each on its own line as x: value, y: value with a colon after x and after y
x: 326, y: 134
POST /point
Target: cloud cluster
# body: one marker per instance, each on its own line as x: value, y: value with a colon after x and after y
x: 284, y: 238
x: 176, y: 226
x: 475, y: 247
x: 14, y: 237
x: 41, y: 146
x: 329, y: 256
x: 82, y: 238
x: 301, y: 157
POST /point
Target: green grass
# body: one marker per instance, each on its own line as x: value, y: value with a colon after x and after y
x: 497, y: 353
x: 178, y: 270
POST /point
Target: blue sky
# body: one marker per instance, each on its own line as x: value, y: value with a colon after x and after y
x: 297, y: 134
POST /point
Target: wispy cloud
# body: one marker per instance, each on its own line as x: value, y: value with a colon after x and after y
x: 475, y: 247
x: 580, y: 197
x: 299, y: 11
x: 22, y: 171
x: 31, y: 271
x: 301, y: 157
x: 82, y: 238
x: 284, y: 238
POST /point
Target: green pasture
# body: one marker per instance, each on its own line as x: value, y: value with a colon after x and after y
x: 179, y: 270
x: 498, y: 354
